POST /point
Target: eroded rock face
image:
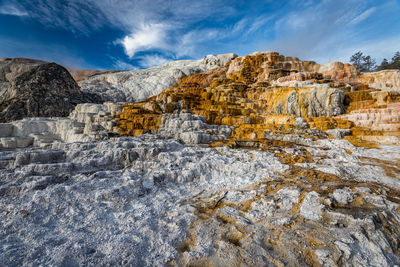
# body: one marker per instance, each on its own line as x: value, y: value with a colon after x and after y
x: 270, y: 66
x: 338, y: 71
x: 265, y: 92
x: 388, y: 80
x: 11, y: 68
x: 251, y: 110
x: 376, y: 115
x: 95, y: 122
x: 37, y: 90
x: 137, y: 85
x: 88, y: 122
x: 317, y: 101
x: 299, y: 77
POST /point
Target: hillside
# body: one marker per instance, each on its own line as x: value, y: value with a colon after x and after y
x: 260, y: 160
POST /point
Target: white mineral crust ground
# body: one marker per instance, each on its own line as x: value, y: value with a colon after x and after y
x: 145, y: 201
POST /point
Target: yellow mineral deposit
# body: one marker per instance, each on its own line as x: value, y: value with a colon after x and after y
x: 240, y: 95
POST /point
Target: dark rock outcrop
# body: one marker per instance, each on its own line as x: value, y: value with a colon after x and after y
x: 37, y: 89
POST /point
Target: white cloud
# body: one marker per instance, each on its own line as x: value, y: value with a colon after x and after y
x: 363, y: 16
x: 239, y: 26
x: 309, y: 29
x: 148, y: 61
x: 13, y: 9
x: 148, y: 36
x: 147, y: 25
x: 122, y: 65
x: 190, y: 42
x: 258, y: 23
x: 129, y: 14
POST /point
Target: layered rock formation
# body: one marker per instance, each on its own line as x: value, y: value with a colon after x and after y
x: 265, y: 92
x: 137, y: 85
x: 37, y: 90
x: 88, y: 122
x: 388, y: 80
x: 376, y: 115
x: 252, y: 108
x: 270, y: 66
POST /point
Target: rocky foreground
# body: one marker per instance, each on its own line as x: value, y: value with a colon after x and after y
x: 240, y: 161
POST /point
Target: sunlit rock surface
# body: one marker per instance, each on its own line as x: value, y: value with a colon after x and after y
x: 137, y: 85
x: 269, y: 66
x: 147, y: 201
x: 385, y: 79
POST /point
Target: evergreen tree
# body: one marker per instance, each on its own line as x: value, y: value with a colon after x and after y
x: 368, y: 63
x: 395, y: 64
x: 396, y: 57
x: 384, y: 65
x: 357, y: 59
x: 363, y: 62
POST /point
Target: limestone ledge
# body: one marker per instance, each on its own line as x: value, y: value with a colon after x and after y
x: 384, y: 80
x: 88, y: 122
x: 270, y: 66
x: 94, y: 122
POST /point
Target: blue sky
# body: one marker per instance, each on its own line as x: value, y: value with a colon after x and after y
x: 129, y: 34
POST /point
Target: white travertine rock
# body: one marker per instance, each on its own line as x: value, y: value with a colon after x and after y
x: 191, y: 129
x: 387, y: 80
x: 86, y: 198
x: 287, y: 197
x: 88, y: 122
x: 325, y: 257
x: 311, y: 207
x: 137, y: 85
x: 343, y: 196
x: 218, y: 60
x: 93, y: 122
x: 139, y: 200
x: 301, y: 124
x: 338, y: 133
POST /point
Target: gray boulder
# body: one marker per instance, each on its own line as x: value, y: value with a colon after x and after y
x: 37, y: 89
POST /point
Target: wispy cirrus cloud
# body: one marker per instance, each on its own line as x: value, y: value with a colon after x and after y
x: 13, y: 9
x: 259, y: 22
x: 145, y: 27
x: 148, y: 61
x: 363, y: 16
x: 322, y: 31
x: 145, y: 33
x: 122, y: 65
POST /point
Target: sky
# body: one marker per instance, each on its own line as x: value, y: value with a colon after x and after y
x: 134, y: 34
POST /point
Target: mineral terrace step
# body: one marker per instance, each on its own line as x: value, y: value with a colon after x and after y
x: 16, y: 142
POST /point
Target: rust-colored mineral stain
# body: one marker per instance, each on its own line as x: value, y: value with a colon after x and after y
x: 245, y: 100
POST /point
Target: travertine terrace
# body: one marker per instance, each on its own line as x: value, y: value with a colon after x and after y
x: 266, y: 92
